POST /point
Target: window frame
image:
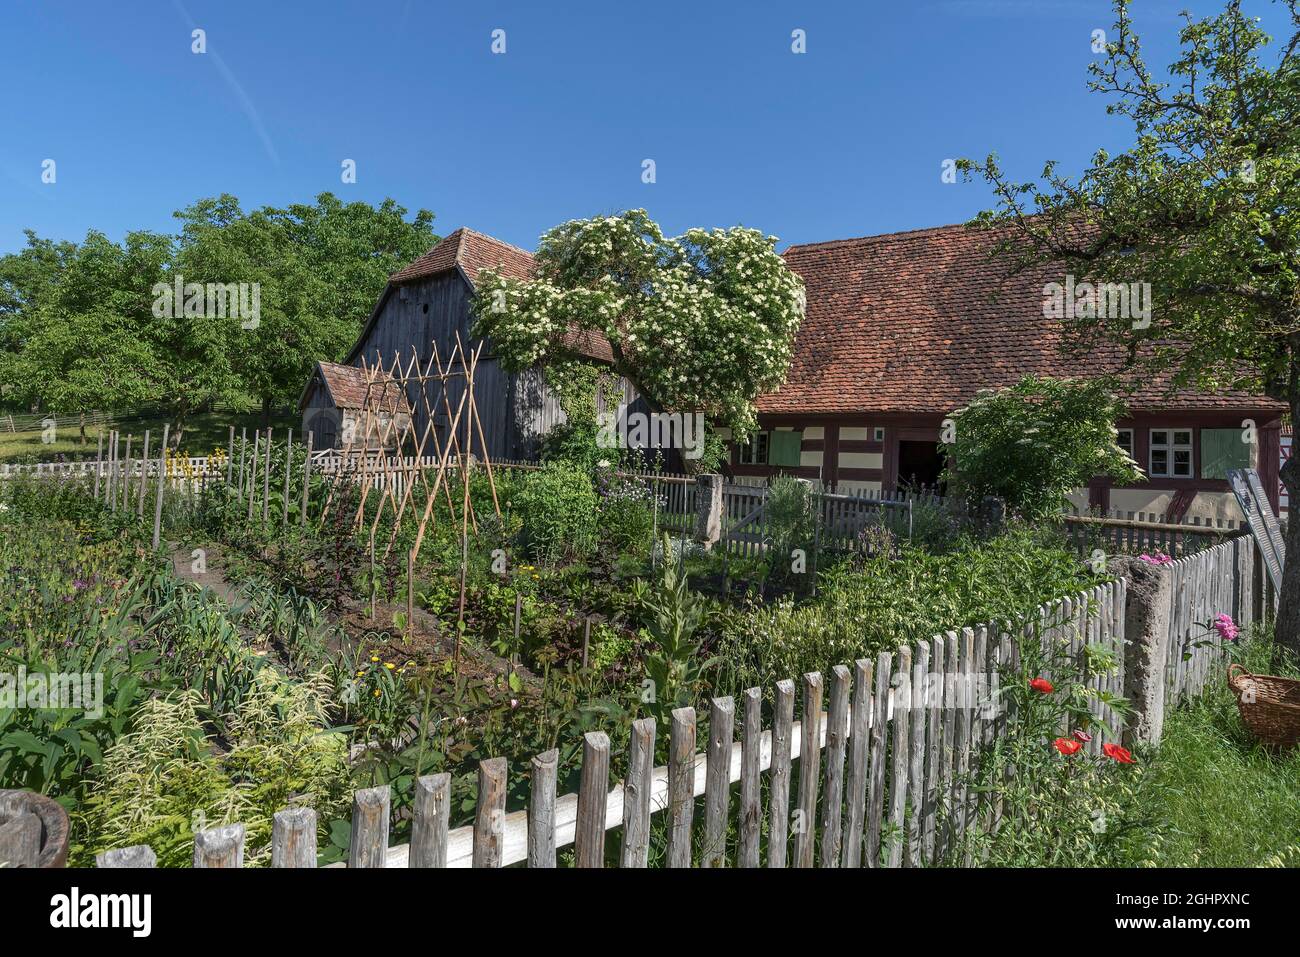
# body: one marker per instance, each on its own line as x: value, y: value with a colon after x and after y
x: 1170, y: 448
x: 752, y: 446
x: 1132, y: 440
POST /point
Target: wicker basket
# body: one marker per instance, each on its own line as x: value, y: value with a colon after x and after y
x: 1269, y: 705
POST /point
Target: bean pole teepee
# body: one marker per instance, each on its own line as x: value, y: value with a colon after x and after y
x: 374, y: 458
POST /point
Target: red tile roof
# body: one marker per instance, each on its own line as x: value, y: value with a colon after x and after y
x: 473, y: 252
x: 920, y: 321
x: 347, y: 387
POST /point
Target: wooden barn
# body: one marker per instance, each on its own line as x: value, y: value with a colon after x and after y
x: 335, y: 403
x: 426, y: 306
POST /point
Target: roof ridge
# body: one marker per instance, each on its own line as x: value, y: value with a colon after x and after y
x: 499, y: 242
x: 924, y: 230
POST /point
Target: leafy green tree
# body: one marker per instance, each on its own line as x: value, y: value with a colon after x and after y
x: 703, y: 322
x: 318, y: 268
x: 1034, y: 443
x: 76, y: 323
x: 1205, y: 207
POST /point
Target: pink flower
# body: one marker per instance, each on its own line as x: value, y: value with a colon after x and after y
x: 1226, y: 627
x: 1159, y: 558
x: 1083, y: 736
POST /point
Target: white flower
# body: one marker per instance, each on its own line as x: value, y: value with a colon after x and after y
x: 603, y: 463
x: 3, y: 507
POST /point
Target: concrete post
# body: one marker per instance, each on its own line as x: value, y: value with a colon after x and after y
x: 1146, y: 629
x: 708, y: 509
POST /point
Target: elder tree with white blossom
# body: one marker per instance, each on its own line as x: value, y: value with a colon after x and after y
x: 702, y: 322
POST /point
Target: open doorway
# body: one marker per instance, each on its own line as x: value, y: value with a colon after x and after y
x: 919, y: 465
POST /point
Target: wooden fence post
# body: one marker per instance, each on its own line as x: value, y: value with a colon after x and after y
x: 293, y: 838
x: 126, y: 478
x: 541, y: 809
x: 99, y: 462
x: 859, y: 739
x: 681, y: 787
x: 898, y: 755
x: 429, y: 827
x: 266, y: 480
x: 636, y: 793
x: 489, y: 816
x: 141, y: 855
x: 288, y: 470
x: 779, y: 784
x: 717, y: 789
x: 751, y: 807
x: 252, y: 478
x: 144, y: 476
x: 837, y: 729
x: 220, y: 847
x: 162, y: 482
x: 805, y: 833
x: 370, y: 811
x: 593, y: 796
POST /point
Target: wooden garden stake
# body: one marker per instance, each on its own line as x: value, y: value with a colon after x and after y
x: 144, y: 475
x: 410, y: 600
x: 162, y: 481
x: 126, y: 475
x: 230, y: 454
x: 288, y: 468
x: 306, y: 478
x: 109, y: 500
x: 586, y: 639
x: 243, y: 451
x: 99, y: 463
x: 373, y: 589
x: 266, y: 479
x: 252, y: 479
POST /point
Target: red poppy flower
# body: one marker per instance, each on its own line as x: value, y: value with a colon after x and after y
x: 1066, y: 746
x: 1122, y: 755
x: 1083, y: 736
x: 1041, y: 685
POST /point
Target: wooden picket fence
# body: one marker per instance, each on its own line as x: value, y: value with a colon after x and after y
x: 888, y: 761
x: 1137, y: 532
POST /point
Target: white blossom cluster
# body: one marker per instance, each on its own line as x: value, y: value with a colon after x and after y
x: 704, y: 322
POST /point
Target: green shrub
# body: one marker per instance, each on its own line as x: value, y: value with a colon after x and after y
x: 881, y: 603
x: 558, y: 510
x: 626, y: 518
x: 1034, y: 443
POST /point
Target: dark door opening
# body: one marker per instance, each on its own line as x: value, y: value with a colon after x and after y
x: 919, y: 465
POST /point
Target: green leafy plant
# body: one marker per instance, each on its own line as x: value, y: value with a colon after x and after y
x: 1035, y: 442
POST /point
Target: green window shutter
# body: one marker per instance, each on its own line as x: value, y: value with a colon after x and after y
x: 783, y: 448
x: 1222, y: 449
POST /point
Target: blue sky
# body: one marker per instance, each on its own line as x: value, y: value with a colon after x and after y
x: 845, y: 140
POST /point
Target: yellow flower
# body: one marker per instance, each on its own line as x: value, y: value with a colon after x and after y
x: 374, y: 657
x: 389, y: 665
x: 376, y: 692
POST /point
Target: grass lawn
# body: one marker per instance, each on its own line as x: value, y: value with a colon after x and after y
x: 203, y: 433
x: 1225, y: 801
